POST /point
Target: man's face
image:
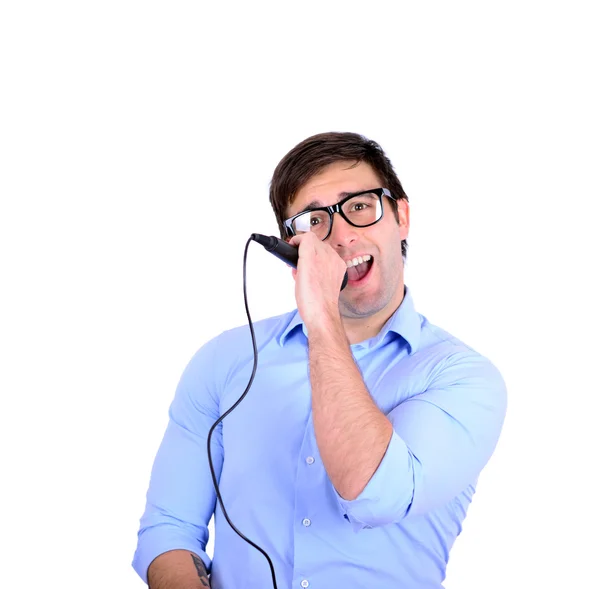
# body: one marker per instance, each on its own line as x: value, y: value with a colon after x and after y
x: 382, y: 288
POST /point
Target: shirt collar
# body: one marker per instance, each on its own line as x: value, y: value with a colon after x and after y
x: 405, y: 322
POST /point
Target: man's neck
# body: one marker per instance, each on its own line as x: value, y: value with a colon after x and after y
x: 359, y: 329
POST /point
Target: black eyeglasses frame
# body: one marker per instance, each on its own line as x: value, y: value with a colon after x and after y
x: 337, y: 208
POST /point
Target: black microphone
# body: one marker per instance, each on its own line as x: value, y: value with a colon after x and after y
x: 284, y: 251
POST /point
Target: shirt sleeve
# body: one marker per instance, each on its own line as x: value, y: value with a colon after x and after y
x: 441, y: 441
x: 181, y: 499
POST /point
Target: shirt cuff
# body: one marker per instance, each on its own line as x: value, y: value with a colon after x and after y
x: 388, y: 494
x: 156, y: 540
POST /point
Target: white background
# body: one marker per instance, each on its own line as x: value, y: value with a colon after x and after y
x: 137, y: 143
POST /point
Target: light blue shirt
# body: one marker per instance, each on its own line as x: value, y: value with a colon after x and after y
x: 446, y: 402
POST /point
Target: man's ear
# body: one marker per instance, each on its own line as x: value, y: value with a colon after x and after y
x: 403, y: 214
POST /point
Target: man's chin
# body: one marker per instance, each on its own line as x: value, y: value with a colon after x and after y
x: 361, y: 309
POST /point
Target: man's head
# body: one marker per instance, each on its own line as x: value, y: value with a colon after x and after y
x: 324, y: 170
x: 312, y: 155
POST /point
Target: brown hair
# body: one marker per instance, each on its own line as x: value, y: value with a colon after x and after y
x: 310, y: 156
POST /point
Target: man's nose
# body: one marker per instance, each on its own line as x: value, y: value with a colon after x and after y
x: 342, y: 233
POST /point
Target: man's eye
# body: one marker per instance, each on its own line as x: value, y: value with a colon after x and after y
x: 315, y: 221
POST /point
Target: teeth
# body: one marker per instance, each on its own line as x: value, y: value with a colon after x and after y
x: 358, y: 260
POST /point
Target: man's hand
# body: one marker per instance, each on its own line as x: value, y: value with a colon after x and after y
x: 177, y: 569
x: 318, y: 279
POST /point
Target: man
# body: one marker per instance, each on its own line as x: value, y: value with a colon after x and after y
x: 355, y: 455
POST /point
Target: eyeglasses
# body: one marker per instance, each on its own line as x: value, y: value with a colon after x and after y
x: 360, y: 209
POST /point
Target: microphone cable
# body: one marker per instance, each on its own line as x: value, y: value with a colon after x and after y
x: 210, y: 462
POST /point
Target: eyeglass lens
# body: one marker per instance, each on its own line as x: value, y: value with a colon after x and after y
x: 361, y: 210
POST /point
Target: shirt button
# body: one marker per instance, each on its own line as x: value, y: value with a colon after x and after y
x: 304, y: 583
x: 306, y: 522
x: 309, y: 460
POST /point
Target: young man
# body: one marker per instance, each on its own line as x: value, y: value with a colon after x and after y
x: 355, y: 455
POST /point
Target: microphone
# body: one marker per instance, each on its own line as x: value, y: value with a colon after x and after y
x: 284, y: 251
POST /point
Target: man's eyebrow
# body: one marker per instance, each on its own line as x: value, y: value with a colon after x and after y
x: 314, y: 204
x: 317, y: 204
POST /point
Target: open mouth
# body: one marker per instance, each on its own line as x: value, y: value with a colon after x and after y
x: 360, y: 272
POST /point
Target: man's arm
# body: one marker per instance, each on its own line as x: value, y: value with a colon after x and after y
x: 426, y: 450
x: 351, y: 432
x: 438, y: 440
x: 181, y: 498
x: 177, y: 569
x: 421, y: 455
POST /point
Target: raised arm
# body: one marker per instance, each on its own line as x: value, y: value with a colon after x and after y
x: 440, y: 439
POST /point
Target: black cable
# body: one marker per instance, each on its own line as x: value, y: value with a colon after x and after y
x: 210, y: 462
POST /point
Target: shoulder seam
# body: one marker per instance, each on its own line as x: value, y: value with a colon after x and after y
x: 454, y: 342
